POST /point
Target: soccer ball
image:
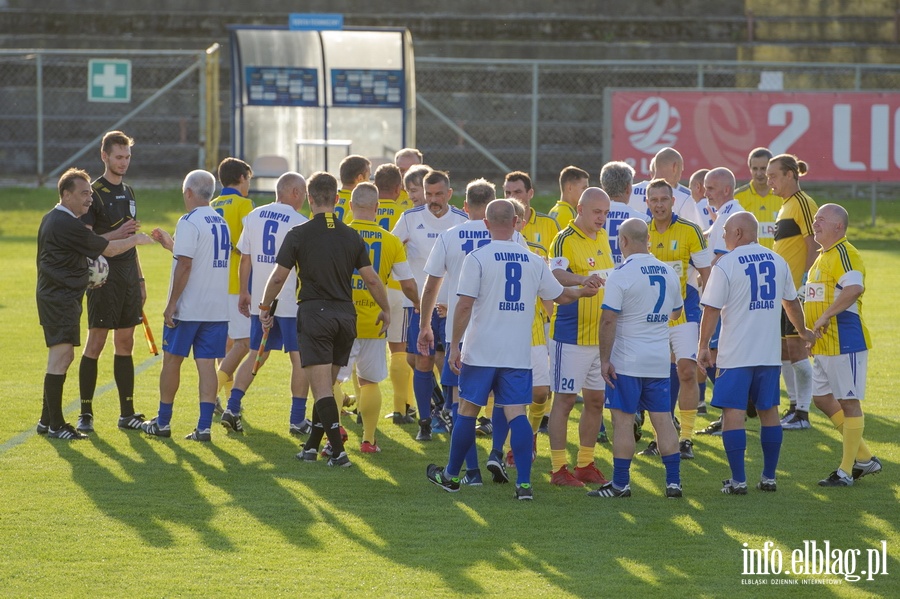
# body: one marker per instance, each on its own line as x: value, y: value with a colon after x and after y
x: 98, y: 271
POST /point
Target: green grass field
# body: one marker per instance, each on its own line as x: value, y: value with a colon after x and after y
x: 126, y: 515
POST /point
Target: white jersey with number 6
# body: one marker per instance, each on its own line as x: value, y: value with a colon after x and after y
x: 264, y: 231
x: 748, y: 284
x: 505, y: 280
x: 644, y: 292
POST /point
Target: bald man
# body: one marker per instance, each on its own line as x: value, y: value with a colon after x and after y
x: 747, y: 288
x: 263, y: 233
x: 580, y: 256
x: 640, y: 298
x: 834, y: 288
x: 496, y: 349
x: 719, y: 185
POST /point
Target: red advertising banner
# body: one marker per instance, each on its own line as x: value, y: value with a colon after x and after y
x: 843, y: 136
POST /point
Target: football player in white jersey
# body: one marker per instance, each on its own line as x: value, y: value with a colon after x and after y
x: 616, y: 179
x: 642, y: 295
x: 747, y: 288
x: 719, y: 184
x: 264, y: 230
x: 196, y: 315
x: 446, y: 259
x: 418, y: 229
x: 698, y: 194
x: 498, y: 288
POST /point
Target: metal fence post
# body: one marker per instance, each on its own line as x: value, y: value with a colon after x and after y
x: 39, y: 88
x: 534, y: 120
x: 201, y: 110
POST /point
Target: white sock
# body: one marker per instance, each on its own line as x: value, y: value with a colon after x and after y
x: 787, y: 373
x: 803, y: 376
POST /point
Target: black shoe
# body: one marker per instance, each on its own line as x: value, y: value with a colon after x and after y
x: 714, y: 428
x: 524, y: 492
x: 730, y: 487
x: 153, y: 428
x: 485, y: 427
x: 308, y: 455
x: 446, y: 416
x: 402, y: 418
x: 861, y: 469
x: 789, y: 413
x: 686, y: 448
x: 602, y: 437
x: 496, y: 468
x: 232, y: 422
x: 767, y: 484
x: 701, y: 408
x: 302, y: 429
x: 41, y: 428
x: 751, y: 409
x: 436, y: 476
x: 66, y: 432
x: 838, y: 478
x: 218, y: 410
x: 133, y: 422
x: 638, y: 424
x: 205, y: 435
x: 674, y: 491
x: 544, y: 428
x: 424, y: 430
x: 652, y: 449
x: 85, y: 423
x: 608, y: 490
x: 340, y: 461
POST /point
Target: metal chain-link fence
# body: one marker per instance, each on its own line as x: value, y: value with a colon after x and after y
x: 485, y: 117
x: 55, y: 105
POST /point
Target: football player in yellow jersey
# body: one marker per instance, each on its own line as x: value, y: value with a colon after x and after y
x: 233, y: 205
x: 795, y: 243
x: 756, y: 196
x: 834, y: 290
x: 389, y: 184
x: 580, y: 255
x: 680, y: 243
x: 572, y: 183
x: 388, y: 258
x: 539, y: 227
x: 354, y: 170
x: 405, y: 159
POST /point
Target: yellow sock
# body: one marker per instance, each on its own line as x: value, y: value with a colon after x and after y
x: 853, y: 431
x: 369, y: 408
x: 400, y: 380
x: 489, y: 409
x: 863, y: 454
x: 585, y: 456
x: 687, y: 417
x: 437, y: 372
x: 536, y: 414
x: 355, y: 380
x: 223, y: 379
x: 338, y: 395
x: 558, y: 459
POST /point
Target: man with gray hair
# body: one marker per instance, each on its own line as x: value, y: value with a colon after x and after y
x: 616, y: 180
x: 196, y: 315
x: 719, y: 184
x: 264, y: 231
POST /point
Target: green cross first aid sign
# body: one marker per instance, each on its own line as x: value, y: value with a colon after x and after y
x: 109, y: 81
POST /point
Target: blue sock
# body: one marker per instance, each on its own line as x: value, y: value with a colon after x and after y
x: 206, y: 415
x: 602, y: 426
x: 165, y: 414
x: 298, y: 410
x: 735, y: 443
x: 621, y: 472
x: 462, y: 438
x: 702, y: 387
x: 234, y: 401
x: 770, y: 438
x: 672, y: 462
x: 472, y: 456
x: 674, y: 386
x: 711, y: 374
x: 423, y: 385
x: 501, y: 429
x: 521, y: 438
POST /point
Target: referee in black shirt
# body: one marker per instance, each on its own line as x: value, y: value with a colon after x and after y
x: 325, y: 253
x: 65, y: 245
